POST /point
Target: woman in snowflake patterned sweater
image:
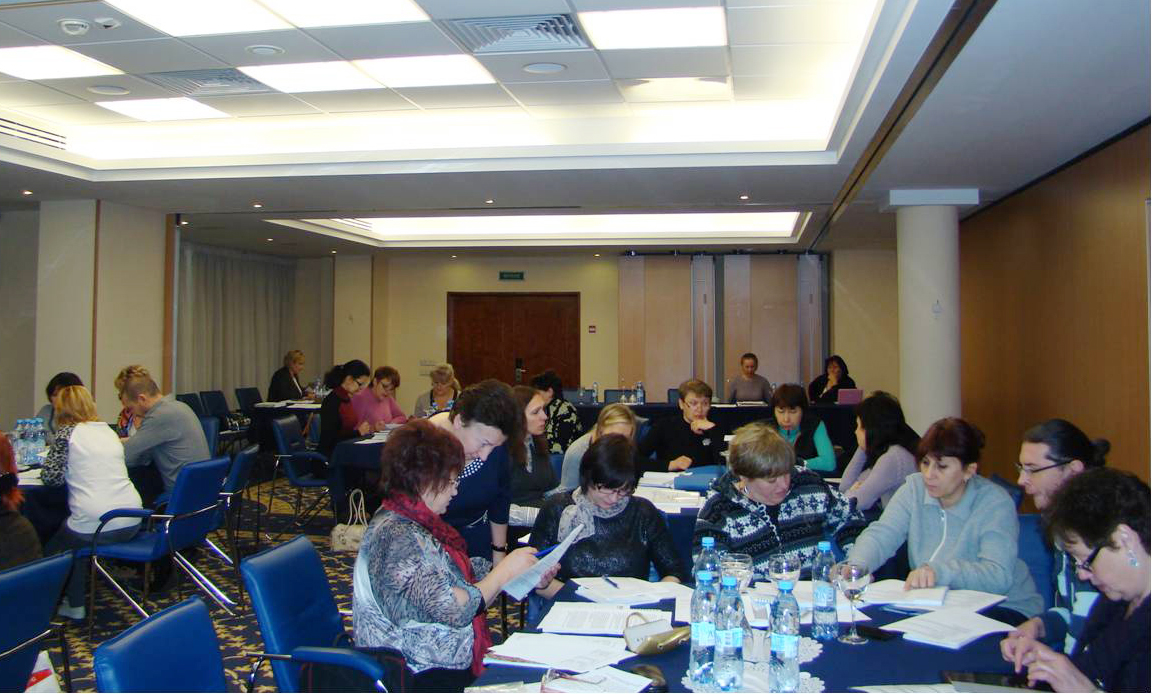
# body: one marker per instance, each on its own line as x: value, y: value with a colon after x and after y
x: 765, y: 505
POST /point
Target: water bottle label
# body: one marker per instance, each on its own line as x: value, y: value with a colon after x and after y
x: 704, y: 634
x: 730, y: 638
x: 823, y: 593
x: 785, y: 646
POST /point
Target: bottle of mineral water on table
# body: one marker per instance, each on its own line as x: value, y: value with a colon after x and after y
x: 784, y: 667
x: 825, y: 625
x: 709, y: 558
x: 703, y: 617
x: 728, y: 668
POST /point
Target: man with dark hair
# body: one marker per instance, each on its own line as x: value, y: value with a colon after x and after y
x: 679, y: 443
x: 170, y: 431
x: 48, y: 412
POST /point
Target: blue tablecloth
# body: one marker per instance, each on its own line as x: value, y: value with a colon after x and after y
x: 840, y: 666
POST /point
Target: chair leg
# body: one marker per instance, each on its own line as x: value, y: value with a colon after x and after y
x: 65, y: 657
x: 204, y: 583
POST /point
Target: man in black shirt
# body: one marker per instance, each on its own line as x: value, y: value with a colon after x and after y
x: 688, y: 440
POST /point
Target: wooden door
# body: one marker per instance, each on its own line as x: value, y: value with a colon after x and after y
x: 491, y: 334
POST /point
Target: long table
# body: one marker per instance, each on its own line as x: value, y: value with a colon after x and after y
x: 839, y: 665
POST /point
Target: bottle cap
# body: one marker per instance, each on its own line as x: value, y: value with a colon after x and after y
x: 704, y: 576
x: 728, y: 581
x: 708, y: 541
x: 824, y: 546
x: 785, y: 585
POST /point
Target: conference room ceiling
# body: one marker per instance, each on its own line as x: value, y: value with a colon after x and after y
x: 586, y: 140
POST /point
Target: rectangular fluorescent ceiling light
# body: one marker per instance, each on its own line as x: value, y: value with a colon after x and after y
x: 426, y: 70
x: 202, y: 17
x: 664, y: 89
x: 296, y: 78
x: 180, y: 108
x: 676, y: 27
x: 50, y: 62
x: 331, y: 13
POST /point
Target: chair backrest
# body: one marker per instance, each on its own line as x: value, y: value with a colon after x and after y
x: 28, y: 597
x: 1034, y: 550
x: 193, y: 400
x: 612, y: 395
x: 174, y: 650
x: 215, y: 404
x: 211, y: 426
x: 287, y: 435
x: 293, y: 603
x: 1014, y: 491
x: 557, y: 460
x: 241, y: 470
x: 673, y: 396
x: 246, y: 399
x: 197, y: 487
x: 570, y: 394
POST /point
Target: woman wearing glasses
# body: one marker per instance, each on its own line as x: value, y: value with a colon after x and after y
x: 376, y: 404
x: 961, y: 529
x: 622, y: 535
x: 1101, y: 519
x: 338, y: 420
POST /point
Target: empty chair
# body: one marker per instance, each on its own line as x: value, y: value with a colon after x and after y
x: 296, y: 613
x: 216, y: 405
x: 193, y: 400
x: 293, y: 455
x: 174, y: 650
x: 673, y: 396
x: 29, y: 594
x: 612, y: 395
x: 246, y: 399
x: 211, y: 427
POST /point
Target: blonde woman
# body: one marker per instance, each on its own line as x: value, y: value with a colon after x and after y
x: 613, y: 419
x: 445, y: 389
x: 87, y: 456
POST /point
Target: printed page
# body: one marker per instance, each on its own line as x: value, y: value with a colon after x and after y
x: 585, y: 618
x: 526, y: 582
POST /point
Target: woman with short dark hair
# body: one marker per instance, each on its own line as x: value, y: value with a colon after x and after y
x: 884, y: 457
x: 622, y: 535
x: 376, y: 404
x: 800, y: 427
x: 48, y: 412
x: 415, y: 589
x: 961, y: 529
x: 824, y: 388
x: 338, y: 420
x: 563, y: 421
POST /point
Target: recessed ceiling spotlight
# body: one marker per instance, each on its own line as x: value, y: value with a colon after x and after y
x: 258, y: 205
x: 453, y: 256
x: 333, y: 251
x: 269, y: 239
x: 595, y: 255
x: 545, y: 68
x: 489, y: 201
x: 109, y: 90
x: 744, y: 197
x: 183, y: 222
x: 26, y: 192
x: 264, y: 50
x: 74, y: 27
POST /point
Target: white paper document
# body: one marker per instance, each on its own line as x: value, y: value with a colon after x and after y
x: 948, y: 628
x: 29, y: 478
x: 561, y: 651
x: 803, y: 595
x: 605, y: 679
x: 671, y: 499
x: 891, y: 591
x: 905, y: 688
x: 304, y: 406
x: 586, y: 618
x: 526, y: 582
x: 378, y: 437
x: 659, y: 479
x: 630, y: 591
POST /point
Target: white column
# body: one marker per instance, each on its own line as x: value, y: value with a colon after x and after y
x: 928, y: 266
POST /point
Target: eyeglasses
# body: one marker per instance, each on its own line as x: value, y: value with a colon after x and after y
x: 1032, y: 471
x: 617, y: 493
x: 1086, y: 565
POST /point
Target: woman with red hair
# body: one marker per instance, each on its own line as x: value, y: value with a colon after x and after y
x: 18, y: 541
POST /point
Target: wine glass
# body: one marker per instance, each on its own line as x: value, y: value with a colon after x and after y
x: 782, y: 567
x: 738, y: 566
x: 851, y: 578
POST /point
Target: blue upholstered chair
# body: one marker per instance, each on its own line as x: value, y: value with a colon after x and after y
x: 193, y: 400
x: 297, y: 614
x: 211, y: 426
x: 293, y: 455
x: 174, y: 650
x: 1034, y: 550
x: 246, y: 399
x: 216, y: 405
x: 29, y: 594
x: 673, y: 396
x: 1015, y: 491
x: 612, y: 395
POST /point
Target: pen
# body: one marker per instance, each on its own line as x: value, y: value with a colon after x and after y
x: 545, y: 551
x: 610, y: 582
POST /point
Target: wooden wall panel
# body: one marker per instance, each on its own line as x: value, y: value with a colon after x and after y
x: 737, y: 323
x: 1054, y: 308
x: 761, y: 316
x: 704, y: 319
x: 631, y: 321
x: 667, y: 322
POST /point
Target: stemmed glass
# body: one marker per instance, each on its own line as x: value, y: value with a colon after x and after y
x: 851, y: 579
x: 782, y: 567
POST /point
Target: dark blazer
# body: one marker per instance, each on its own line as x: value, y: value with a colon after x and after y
x: 284, y: 387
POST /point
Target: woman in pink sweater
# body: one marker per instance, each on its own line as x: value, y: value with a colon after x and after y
x: 376, y: 404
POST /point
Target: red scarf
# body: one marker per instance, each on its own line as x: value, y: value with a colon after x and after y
x: 453, y: 543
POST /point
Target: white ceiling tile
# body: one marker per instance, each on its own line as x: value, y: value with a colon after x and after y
x: 709, y: 61
x: 230, y: 48
x: 77, y: 114
x: 793, y: 64
x: 675, y: 89
x: 579, y: 65
x: 599, y: 5
x: 137, y: 88
x: 565, y: 111
x: 459, y: 96
x: 386, y: 40
x: 783, y: 85
x: 456, y: 9
x: 10, y: 36
x: 249, y: 105
x: 821, y: 23
x: 44, y: 21
x: 357, y: 100
x: 551, y: 93
x: 16, y: 94
x: 154, y: 55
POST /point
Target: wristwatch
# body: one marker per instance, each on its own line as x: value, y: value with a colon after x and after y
x: 500, y: 548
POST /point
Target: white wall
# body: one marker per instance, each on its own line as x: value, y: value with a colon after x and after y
x: 352, y: 309
x: 313, y: 324
x: 865, y: 319
x: 20, y: 395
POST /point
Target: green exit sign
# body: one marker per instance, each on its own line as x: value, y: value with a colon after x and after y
x: 508, y: 275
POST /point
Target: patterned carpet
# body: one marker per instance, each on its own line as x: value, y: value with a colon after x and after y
x: 237, y: 633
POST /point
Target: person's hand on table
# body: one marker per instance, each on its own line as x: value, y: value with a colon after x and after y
x: 364, y: 428
x: 1057, y: 670
x: 381, y: 425
x: 924, y: 577
x: 699, y: 426
x: 1017, y: 641
x: 679, y: 464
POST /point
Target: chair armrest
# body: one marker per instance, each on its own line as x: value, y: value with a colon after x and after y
x: 127, y: 513
x: 309, y: 455
x: 341, y: 657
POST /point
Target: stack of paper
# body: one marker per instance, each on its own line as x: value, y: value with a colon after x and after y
x: 948, y: 628
x: 585, y: 618
x: 670, y: 500
x: 378, y: 437
x: 659, y: 479
x: 891, y: 591
x: 605, y: 679
x: 629, y: 591
x: 803, y: 594
x: 560, y: 651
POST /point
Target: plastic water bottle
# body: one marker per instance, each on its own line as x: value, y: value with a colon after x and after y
x: 40, y: 436
x: 709, y: 558
x: 595, y: 392
x: 784, y: 668
x: 27, y: 451
x: 18, y: 443
x: 728, y: 667
x: 640, y: 397
x: 700, y: 658
x: 825, y: 624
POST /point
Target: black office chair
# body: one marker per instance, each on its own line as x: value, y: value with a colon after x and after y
x: 216, y: 405
x: 193, y: 400
x: 246, y: 399
x: 612, y: 395
x: 296, y: 459
x: 673, y: 396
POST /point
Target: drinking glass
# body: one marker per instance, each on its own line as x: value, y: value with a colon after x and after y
x: 738, y: 566
x: 851, y: 579
x: 782, y: 567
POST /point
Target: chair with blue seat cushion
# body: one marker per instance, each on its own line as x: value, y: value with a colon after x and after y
x: 216, y: 405
x: 193, y: 400
x: 1015, y: 491
x: 612, y: 395
x: 1037, y: 555
x: 211, y: 426
x: 174, y: 650
x: 293, y: 455
x: 191, y: 513
x: 29, y: 594
x: 297, y: 614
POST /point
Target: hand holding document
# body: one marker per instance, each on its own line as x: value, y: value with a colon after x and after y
x: 560, y: 651
x: 524, y: 583
x: 948, y: 628
x: 585, y: 618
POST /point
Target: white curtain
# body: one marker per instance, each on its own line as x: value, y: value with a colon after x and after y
x: 234, y: 319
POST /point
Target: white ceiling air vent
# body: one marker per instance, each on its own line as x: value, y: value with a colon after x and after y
x: 534, y: 32
x: 224, y: 82
x: 29, y: 133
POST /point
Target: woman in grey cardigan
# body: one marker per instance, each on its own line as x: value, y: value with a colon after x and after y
x: 961, y: 529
